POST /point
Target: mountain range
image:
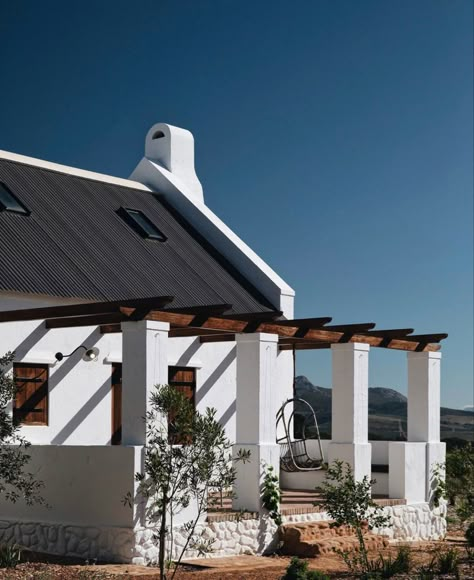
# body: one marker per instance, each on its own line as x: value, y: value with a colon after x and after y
x: 387, y: 413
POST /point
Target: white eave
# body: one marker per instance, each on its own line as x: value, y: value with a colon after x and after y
x: 71, y: 170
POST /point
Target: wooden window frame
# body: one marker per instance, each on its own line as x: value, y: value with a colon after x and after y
x: 174, y: 438
x: 116, y: 410
x: 22, y: 416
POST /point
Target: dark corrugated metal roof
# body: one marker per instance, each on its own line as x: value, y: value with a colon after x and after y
x: 73, y: 244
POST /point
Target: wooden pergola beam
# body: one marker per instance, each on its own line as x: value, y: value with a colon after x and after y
x: 322, y: 335
x: 92, y: 320
x: 192, y: 331
x: 82, y: 309
x: 212, y: 325
x: 394, y: 345
x: 110, y: 328
x: 255, y: 316
x: 426, y: 337
x: 351, y: 328
x: 392, y: 332
x: 306, y: 322
x: 255, y: 319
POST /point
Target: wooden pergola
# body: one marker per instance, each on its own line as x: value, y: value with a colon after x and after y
x: 212, y: 324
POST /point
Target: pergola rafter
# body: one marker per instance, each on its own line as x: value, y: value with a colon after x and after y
x: 212, y: 324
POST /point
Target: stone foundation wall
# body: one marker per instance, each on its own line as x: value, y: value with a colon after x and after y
x: 246, y: 535
x: 259, y: 536
x: 111, y: 544
x: 416, y: 522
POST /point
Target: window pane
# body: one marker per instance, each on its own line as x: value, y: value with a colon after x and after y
x: 139, y: 221
x: 8, y: 201
x: 183, y: 380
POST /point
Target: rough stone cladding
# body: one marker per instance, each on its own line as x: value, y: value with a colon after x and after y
x: 231, y: 537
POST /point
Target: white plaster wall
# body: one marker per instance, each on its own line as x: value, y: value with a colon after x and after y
x: 311, y: 479
x: 80, y: 392
x: 83, y: 486
x: 379, y: 452
x: 215, y: 365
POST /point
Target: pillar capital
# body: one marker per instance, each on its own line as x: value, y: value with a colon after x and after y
x: 429, y: 355
x: 141, y: 325
x: 350, y: 346
x: 256, y: 337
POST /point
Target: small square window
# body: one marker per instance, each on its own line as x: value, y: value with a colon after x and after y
x: 8, y: 202
x: 141, y: 224
x: 31, y: 401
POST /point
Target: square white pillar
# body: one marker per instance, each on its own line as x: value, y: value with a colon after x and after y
x: 256, y: 407
x: 350, y: 407
x: 424, y: 406
x: 424, y: 396
x: 145, y: 364
x: 407, y: 471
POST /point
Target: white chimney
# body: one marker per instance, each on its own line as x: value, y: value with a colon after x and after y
x: 173, y: 149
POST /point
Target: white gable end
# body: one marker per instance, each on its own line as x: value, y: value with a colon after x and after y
x: 168, y: 167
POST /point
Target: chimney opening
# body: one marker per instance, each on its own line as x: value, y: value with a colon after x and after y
x: 158, y: 135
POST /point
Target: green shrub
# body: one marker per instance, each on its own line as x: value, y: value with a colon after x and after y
x: 427, y: 571
x: 447, y: 561
x: 271, y: 495
x: 386, y: 567
x: 349, y: 502
x: 316, y: 575
x: 460, y: 480
x: 298, y: 570
x: 10, y: 555
x: 470, y: 534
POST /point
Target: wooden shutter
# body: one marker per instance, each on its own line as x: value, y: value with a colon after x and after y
x: 184, y: 380
x: 116, y: 438
x: 31, y: 400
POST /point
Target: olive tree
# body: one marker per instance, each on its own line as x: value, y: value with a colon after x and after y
x: 16, y: 482
x: 348, y: 502
x: 188, y: 462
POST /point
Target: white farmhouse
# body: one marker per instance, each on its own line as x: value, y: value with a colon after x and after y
x: 110, y: 286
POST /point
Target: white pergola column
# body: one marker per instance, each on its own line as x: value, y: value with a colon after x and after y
x: 350, y: 407
x: 411, y: 463
x: 145, y: 364
x: 424, y: 396
x: 256, y: 407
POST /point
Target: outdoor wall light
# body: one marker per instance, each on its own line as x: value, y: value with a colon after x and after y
x: 90, y: 354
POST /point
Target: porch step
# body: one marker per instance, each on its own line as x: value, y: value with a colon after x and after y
x: 312, y: 539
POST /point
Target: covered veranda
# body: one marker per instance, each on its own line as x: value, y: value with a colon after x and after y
x: 148, y: 325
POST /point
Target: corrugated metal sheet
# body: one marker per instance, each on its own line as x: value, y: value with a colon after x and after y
x: 73, y: 244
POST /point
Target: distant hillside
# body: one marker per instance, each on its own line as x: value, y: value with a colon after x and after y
x: 387, y: 413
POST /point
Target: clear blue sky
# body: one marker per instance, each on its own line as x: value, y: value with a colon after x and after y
x: 334, y: 136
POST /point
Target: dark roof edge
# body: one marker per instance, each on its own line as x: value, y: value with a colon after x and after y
x: 214, y: 252
x: 77, y: 176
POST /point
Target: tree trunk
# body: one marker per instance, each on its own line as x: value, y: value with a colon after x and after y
x: 162, y: 543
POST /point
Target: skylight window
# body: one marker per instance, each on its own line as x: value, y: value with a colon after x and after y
x: 8, y: 202
x: 141, y: 224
